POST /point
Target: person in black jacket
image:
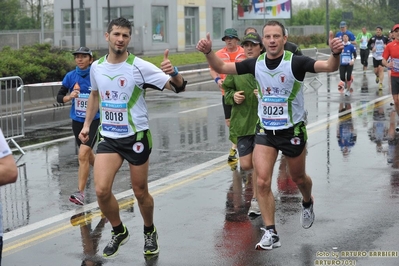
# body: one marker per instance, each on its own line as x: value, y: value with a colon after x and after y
x: 292, y: 47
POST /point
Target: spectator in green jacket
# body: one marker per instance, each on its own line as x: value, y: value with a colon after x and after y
x: 240, y: 92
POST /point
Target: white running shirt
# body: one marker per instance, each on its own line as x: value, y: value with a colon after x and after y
x: 121, y: 88
x: 281, y: 101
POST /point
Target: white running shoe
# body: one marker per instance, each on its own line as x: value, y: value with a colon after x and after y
x: 307, y: 216
x: 269, y: 240
x: 254, y: 208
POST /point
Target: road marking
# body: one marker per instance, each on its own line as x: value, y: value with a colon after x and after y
x: 162, y: 184
x: 200, y: 108
x: 92, y: 206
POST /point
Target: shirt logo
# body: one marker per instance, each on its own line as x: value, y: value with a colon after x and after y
x: 123, y: 96
x: 282, y: 78
x: 122, y: 82
x: 108, y: 95
x: 114, y: 95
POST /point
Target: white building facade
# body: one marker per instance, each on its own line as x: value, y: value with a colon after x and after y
x: 176, y: 25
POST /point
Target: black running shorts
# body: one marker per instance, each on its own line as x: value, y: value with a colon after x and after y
x: 93, y: 133
x: 394, y: 85
x: 245, y: 145
x: 135, y: 149
x: 377, y: 63
x: 290, y: 141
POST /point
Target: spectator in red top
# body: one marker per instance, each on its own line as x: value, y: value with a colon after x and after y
x: 392, y: 51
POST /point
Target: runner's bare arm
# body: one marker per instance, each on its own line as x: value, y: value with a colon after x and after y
x: 176, y: 82
x: 217, y: 64
x: 333, y: 61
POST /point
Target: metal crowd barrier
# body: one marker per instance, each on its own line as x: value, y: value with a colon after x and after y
x: 12, y: 109
x: 15, y: 202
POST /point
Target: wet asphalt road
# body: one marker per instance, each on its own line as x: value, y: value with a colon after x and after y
x: 201, y: 204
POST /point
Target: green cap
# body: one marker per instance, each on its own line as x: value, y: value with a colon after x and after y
x: 231, y: 33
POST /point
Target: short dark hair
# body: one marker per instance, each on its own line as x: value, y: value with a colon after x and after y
x: 274, y: 23
x: 120, y: 22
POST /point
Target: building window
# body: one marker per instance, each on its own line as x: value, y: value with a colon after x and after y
x: 116, y: 12
x: 159, y: 23
x: 191, y: 22
x: 218, y: 23
x: 67, y: 19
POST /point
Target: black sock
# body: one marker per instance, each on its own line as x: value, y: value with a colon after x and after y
x: 148, y: 229
x: 119, y: 229
x: 307, y: 204
x: 273, y: 227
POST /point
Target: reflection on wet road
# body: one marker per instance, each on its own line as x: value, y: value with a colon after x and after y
x: 201, y: 205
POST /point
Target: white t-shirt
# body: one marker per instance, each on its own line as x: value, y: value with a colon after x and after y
x: 121, y: 88
x: 4, y: 151
x: 4, y: 148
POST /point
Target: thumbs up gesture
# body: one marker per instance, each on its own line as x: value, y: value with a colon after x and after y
x: 205, y: 45
x: 166, y: 65
x: 336, y: 44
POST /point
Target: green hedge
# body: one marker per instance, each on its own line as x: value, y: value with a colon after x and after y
x: 36, y: 63
x: 43, y: 63
x: 308, y: 40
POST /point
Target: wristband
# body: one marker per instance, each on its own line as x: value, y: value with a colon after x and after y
x: 208, y: 52
x: 174, y: 74
x: 335, y: 54
x: 217, y: 79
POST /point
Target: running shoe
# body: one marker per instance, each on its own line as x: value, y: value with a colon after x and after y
x: 118, y: 240
x: 377, y: 79
x: 78, y: 198
x: 151, y: 243
x: 341, y: 86
x: 232, y: 155
x: 307, y: 216
x: 269, y: 240
x: 254, y: 208
x: 233, y: 164
x: 380, y: 86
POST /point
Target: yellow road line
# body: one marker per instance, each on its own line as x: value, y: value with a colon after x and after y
x: 43, y: 235
x: 62, y: 228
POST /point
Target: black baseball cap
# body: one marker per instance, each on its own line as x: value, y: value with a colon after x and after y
x: 252, y: 37
x: 83, y: 50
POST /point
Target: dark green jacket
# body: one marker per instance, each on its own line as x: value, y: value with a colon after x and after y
x: 245, y: 115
